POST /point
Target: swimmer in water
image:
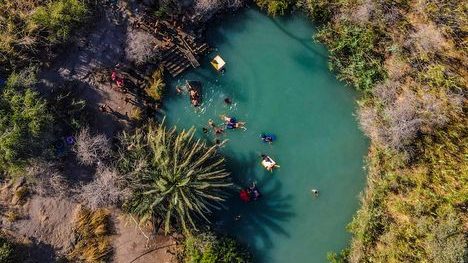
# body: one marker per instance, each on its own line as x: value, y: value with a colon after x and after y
x: 315, y: 192
x: 211, y: 123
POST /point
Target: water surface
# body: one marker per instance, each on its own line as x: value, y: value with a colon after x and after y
x: 279, y: 82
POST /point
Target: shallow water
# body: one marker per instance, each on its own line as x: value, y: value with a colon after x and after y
x: 279, y: 82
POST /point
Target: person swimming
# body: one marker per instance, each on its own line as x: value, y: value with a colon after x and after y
x: 218, y: 131
x: 315, y: 192
x: 228, y: 119
x: 268, y: 138
x: 244, y: 196
x: 228, y: 101
x: 211, y: 123
x: 254, y: 192
x: 232, y: 123
x: 235, y: 125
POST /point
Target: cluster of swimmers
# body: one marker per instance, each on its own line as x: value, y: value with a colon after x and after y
x: 193, y: 89
x: 250, y: 193
x: 195, y: 97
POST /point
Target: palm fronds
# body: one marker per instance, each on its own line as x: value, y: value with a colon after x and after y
x: 174, y: 177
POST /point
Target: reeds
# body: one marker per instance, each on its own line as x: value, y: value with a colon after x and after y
x: 92, y: 231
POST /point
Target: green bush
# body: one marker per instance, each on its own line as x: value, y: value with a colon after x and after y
x: 58, y: 18
x: 354, y: 53
x: 275, y: 7
x: 209, y: 248
x: 342, y: 257
x: 24, y: 121
x: 320, y: 11
x: 6, y: 251
x: 156, y: 87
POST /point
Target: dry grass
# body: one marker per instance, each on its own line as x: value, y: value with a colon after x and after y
x: 92, y: 230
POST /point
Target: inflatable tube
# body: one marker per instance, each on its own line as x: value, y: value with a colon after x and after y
x: 244, y: 196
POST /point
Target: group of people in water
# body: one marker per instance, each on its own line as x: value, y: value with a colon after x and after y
x: 230, y: 123
x: 251, y: 193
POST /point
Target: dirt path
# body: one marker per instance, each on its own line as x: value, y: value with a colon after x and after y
x: 131, y: 245
x: 92, y: 58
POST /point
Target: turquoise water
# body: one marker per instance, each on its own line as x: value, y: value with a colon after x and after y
x: 279, y: 82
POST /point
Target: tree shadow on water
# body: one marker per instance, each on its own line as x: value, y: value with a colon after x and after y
x: 256, y: 222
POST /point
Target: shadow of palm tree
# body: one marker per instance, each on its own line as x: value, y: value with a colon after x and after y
x: 255, y: 222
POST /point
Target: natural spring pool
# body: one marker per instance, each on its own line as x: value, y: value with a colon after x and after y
x: 279, y: 82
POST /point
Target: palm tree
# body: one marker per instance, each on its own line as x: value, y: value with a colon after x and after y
x: 174, y: 178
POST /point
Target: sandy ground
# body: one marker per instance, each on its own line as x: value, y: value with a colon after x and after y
x: 132, y: 246
x: 46, y: 224
x: 48, y: 220
x: 43, y: 222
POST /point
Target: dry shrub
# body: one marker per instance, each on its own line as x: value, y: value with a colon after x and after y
x: 406, y: 114
x: 140, y: 46
x: 234, y: 3
x: 387, y: 92
x: 92, y: 230
x: 427, y: 39
x: 363, y: 12
x: 396, y: 68
x: 49, y: 180
x: 403, y: 119
x: 91, y: 149
x: 104, y: 190
x: 371, y: 123
x: 207, y: 7
x: 204, y: 7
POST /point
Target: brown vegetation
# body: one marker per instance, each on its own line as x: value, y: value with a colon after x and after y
x: 92, y: 231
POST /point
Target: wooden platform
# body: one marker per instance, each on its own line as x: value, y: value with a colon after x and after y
x: 180, y: 50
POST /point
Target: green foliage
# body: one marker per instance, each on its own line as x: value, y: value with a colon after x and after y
x: 24, y: 121
x: 354, y: 54
x: 6, y: 251
x: 174, y: 178
x: 342, y: 257
x: 58, y: 18
x: 166, y: 8
x: 209, y: 248
x: 275, y: 7
x: 436, y: 77
x: 157, y: 86
x: 414, y: 212
x: 29, y: 29
x: 320, y: 11
x: 69, y: 111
